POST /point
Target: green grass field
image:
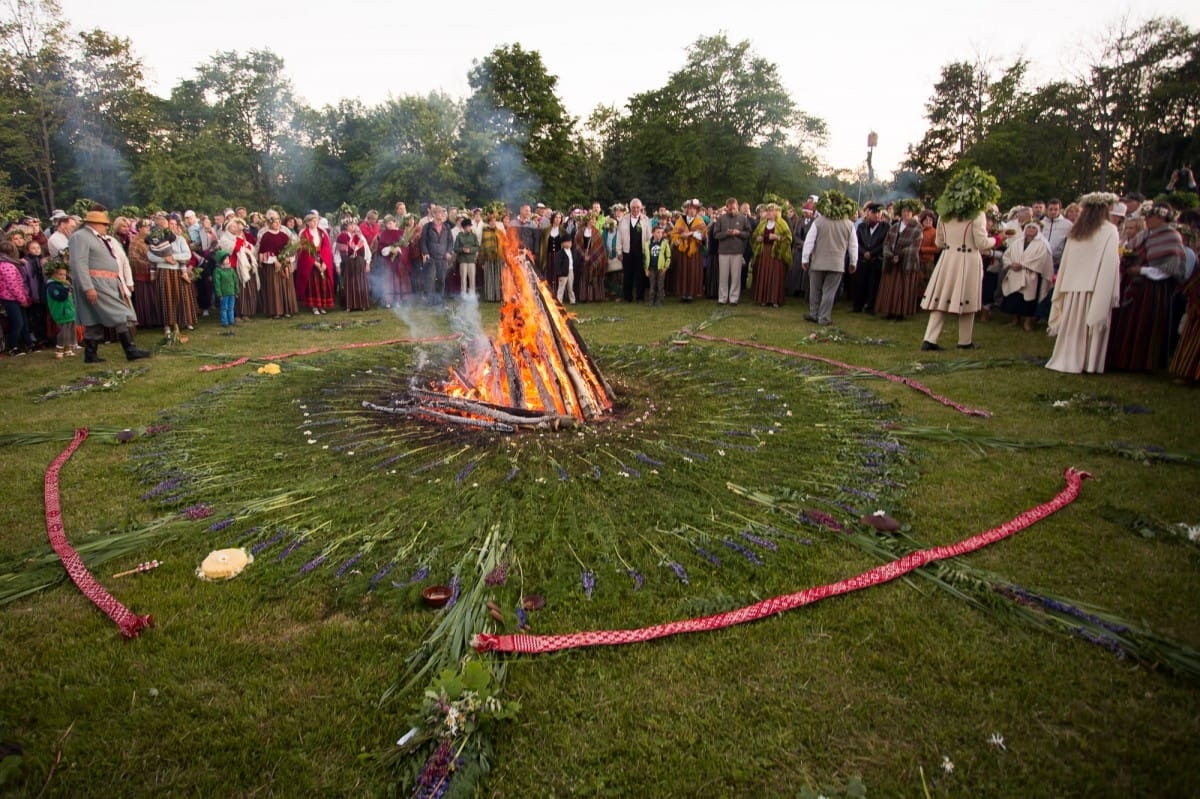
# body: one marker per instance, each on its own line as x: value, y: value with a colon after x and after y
x: 271, y: 684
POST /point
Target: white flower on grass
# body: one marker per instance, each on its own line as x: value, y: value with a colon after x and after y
x: 1062, y: 403
x: 947, y: 764
x: 721, y: 452
x: 997, y: 740
x: 308, y: 432
x: 879, y: 513
x: 312, y: 441
x: 1192, y: 531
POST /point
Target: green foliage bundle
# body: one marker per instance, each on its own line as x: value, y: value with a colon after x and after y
x: 911, y: 203
x: 832, y: 204
x: 968, y: 193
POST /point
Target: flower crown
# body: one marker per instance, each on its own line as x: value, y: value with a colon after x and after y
x: 1105, y: 198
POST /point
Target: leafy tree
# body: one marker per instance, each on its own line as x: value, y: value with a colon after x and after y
x: 35, y: 85
x: 516, y: 132
x: 109, y: 118
x: 722, y: 124
x: 412, y: 154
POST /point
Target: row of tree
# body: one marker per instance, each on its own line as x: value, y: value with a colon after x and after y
x: 1125, y: 121
x: 76, y: 120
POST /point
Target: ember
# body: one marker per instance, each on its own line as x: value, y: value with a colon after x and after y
x: 536, y: 373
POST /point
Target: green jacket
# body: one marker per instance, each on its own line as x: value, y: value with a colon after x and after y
x: 466, y: 247
x: 225, y: 282
x: 664, y: 254
x: 60, y: 301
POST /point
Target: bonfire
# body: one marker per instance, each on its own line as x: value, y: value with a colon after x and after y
x: 536, y: 372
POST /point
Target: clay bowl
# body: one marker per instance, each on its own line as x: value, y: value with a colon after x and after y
x: 436, y: 596
x: 884, y: 523
x: 533, y: 602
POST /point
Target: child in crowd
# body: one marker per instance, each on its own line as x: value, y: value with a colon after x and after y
x: 466, y: 251
x: 34, y: 273
x: 226, y: 286
x: 658, y: 261
x: 61, y: 304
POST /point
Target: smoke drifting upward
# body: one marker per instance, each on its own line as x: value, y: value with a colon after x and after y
x: 511, y: 179
x: 98, y: 169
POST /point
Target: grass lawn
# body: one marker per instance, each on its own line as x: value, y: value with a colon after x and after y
x: 272, y: 684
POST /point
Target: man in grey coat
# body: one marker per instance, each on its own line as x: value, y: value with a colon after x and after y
x: 732, y: 231
x: 101, y: 298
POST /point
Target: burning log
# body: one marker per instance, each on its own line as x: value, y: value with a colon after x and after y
x: 536, y: 372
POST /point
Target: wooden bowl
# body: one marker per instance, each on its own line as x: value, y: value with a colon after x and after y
x: 533, y: 602
x: 883, y: 523
x: 436, y: 596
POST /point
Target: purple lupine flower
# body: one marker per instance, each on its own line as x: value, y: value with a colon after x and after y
x: 746, y: 552
x: 562, y: 474
x: 270, y: 542
x: 1132, y: 409
x: 420, y: 574
x: 710, y: 557
x: 221, y: 525
x: 196, y: 512
x: 626, y: 471
x: 589, y: 582
x: 314, y: 563
x: 762, y: 542
x: 455, y: 590
x: 638, y: 579
x: 522, y: 617
x: 466, y: 471
x: 290, y: 548
x: 646, y: 459
x: 379, y: 575
x: 345, y: 567
x: 155, y: 429
x: 383, y: 464
x: 511, y: 474
x: 680, y: 572
x: 497, y: 576
x: 434, y: 779
x: 162, y: 487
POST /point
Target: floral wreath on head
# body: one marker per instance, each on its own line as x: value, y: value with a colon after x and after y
x: 1105, y: 198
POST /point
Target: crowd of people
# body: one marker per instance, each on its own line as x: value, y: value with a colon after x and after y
x: 1135, y: 308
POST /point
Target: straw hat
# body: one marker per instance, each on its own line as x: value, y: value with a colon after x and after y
x: 97, y: 218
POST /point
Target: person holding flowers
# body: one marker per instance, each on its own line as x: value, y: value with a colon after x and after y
x: 354, y: 261
x: 771, y: 244
x: 275, y: 269
x: 314, y: 266
x: 956, y: 285
x: 900, y: 283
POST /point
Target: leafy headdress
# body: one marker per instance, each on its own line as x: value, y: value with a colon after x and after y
x: 969, y: 192
x: 835, y: 205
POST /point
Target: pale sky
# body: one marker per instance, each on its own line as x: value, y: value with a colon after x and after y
x: 860, y: 66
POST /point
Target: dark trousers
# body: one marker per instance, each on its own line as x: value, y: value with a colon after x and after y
x: 866, y: 284
x: 18, y: 328
x: 633, y: 274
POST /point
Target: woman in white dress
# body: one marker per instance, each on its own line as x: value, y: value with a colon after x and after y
x: 1087, y: 289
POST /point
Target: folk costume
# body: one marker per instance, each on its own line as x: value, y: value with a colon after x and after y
x: 391, y: 276
x: 355, y: 258
x: 900, y: 286
x: 1085, y: 294
x: 956, y: 285
x: 95, y: 270
x: 176, y: 296
x: 592, y: 260
x: 241, y: 258
x: 1143, y: 323
x: 828, y: 247
x: 772, y: 247
x: 491, y: 257
x: 687, y: 238
x: 145, y: 292
x: 1186, y: 363
x: 314, y: 273
x: 277, y: 290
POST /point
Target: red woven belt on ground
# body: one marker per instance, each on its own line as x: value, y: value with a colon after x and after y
x: 314, y: 350
x: 904, y: 381
x: 129, y: 622
x: 537, y: 644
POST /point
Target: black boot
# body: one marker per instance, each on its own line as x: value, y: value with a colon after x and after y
x: 132, y: 353
x: 89, y: 352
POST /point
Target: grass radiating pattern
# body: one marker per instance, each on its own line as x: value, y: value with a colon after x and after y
x: 271, y: 683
